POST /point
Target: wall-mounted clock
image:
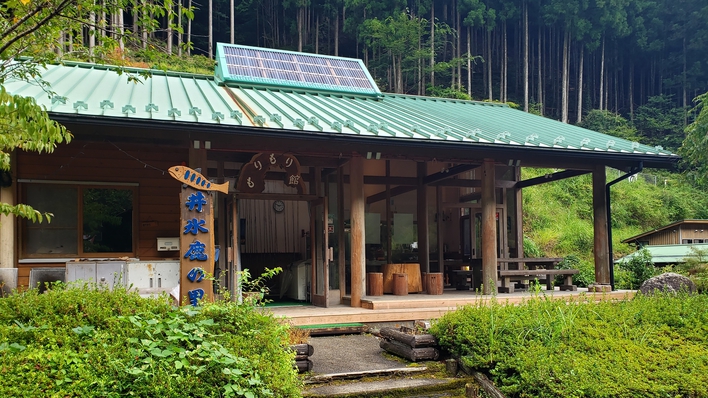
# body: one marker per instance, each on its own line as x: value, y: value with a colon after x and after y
x: 278, y: 206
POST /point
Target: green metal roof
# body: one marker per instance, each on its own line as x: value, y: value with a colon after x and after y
x: 267, y: 67
x: 668, y: 254
x: 99, y: 91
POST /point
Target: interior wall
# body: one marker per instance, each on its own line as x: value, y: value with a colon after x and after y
x: 268, y: 231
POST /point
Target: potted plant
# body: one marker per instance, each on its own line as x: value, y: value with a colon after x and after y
x: 253, y: 290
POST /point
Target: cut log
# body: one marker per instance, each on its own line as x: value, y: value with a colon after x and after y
x: 409, y: 353
x: 400, y: 284
x: 412, y: 340
x: 303, y: 349
x: 434, y: 283
x: 303, y: 366
x: 374, y: 284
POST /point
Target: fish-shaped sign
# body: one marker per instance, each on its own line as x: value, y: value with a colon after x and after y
x: 195, y: 180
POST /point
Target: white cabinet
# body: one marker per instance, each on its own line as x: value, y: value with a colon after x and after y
x: 104, y: 273
x: 152, y: 277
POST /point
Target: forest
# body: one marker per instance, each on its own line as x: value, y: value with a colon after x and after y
x: 557, y: 58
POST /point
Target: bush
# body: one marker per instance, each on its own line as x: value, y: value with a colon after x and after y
x: 89, y: 342
x: 584, y: 277
x: 648, y: 346
x: 640, y: 267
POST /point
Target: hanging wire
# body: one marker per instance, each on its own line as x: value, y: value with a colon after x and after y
x: 145, y: 165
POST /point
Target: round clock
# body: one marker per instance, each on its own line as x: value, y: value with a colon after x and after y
x: 278, y: 206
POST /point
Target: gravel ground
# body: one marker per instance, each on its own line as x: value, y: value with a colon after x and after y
x: 349, y: 353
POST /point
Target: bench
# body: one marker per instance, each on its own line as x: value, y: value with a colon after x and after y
x: 547, y: 272
x: 527, y: 274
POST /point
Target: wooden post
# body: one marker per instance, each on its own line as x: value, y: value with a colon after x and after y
x: 341, y: 253
x: 519, y: 217
x: 601, y: 249
x: 235, y: 251
x: 7, y: 223
x: 358, y: 232
x: 423, y: 239
x: 441, y: 235
x: 489, y: 229
x: 389, y: 221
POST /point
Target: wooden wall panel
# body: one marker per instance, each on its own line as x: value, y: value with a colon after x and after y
x: 667, y: 237
x: 694, y: 231
x: 157, y: 206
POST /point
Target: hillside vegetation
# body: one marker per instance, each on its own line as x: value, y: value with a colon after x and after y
x: 558, y: 219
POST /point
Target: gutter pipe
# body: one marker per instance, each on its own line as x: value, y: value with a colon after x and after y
x: 632, y: 172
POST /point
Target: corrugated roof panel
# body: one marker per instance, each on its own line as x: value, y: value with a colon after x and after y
x: 89, y: 89
x: 668, y: 254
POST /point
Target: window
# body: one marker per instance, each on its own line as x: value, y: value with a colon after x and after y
x: 87, y: 220
x: 687, y: 241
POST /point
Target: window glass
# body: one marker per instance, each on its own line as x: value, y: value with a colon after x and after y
x: 107, y: 220
x: 59, y: 235
x: 100, y: 218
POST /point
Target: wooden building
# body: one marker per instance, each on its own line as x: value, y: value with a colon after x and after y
x: 684, y: 232
x: 323, y: 168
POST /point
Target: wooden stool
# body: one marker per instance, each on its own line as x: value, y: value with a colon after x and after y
x: 434, y: 283
x: 374, y: 284
x: 400, y: 284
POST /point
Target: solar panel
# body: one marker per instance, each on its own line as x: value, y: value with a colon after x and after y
x: 269, y: 67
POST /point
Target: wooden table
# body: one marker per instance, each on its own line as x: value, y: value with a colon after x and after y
x: 415, y: 284
x: 533, y: 271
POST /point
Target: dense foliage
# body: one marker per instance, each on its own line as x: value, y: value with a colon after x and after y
x: 87, y: 342
x: 558, y: 220
x: 648, y: 346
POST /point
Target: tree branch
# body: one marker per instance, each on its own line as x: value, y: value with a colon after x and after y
x: 39, y: 24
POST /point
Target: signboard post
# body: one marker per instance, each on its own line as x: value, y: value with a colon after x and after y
x: 197, y: 236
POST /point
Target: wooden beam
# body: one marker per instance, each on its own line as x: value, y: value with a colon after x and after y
x: 389, y: 216
x: 601, y: 248
x: 422, y: 205
x: 440, y: 218
x: 341, y: 253
x: 275, y: 196
x: 358, y: 231
x: 470, y: 197
x: 489, y: 228
x: 550, y: 177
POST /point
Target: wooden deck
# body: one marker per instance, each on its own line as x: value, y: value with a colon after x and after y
x: 412, y: 307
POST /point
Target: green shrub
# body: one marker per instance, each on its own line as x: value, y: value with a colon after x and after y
x: 88, y: 342
x: 648, y: 346
x: 584, y: 277
x: 640, y: 268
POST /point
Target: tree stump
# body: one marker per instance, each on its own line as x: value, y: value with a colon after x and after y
x: 434, y: 283
x: 400, y: 284
x: 374, y: 284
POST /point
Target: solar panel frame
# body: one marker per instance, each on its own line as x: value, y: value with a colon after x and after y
x: 279, y: 68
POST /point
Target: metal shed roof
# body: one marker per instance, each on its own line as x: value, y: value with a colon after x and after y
x: 668, y: 254
x: 81, y: 89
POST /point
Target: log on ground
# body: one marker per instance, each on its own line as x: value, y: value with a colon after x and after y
x: 303, y: 349
x: 412, y: 354
x: 413, y: 340
x: 304, y: 366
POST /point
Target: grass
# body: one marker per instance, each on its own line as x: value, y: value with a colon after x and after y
x: 648, y: 346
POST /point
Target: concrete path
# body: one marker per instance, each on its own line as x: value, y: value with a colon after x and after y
x: 349, y: 353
